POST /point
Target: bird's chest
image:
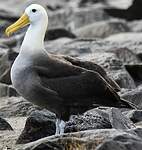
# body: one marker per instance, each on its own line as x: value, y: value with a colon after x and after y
x: 19, y: 74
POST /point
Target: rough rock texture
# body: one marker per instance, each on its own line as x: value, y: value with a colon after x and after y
x: 38, y: 125
x: 132, y: 13
x: 4, y: 125
x: 134, y: 96
x: 119, y: 121
x: 87, y: 121
x: 102, y: 29
x: 91, y: 139
x: 15, y: 107
x: 134, y: 115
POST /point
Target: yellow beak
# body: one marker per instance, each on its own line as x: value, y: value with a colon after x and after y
x: 20, y: 23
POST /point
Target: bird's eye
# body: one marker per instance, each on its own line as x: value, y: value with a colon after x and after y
x: 34, y: 10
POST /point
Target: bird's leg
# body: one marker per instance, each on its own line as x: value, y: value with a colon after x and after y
x: 57, y: 127
x: 60, y: 125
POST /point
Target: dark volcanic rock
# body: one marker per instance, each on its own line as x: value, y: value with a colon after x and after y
x: 135, y: 26
x: 112, y: 44
x: 123, y: 78
x: 102, y: 29
x: 134, y: 96
x: 4, y: 125
x: 89, y: 2
x: 7, y: 90
x: 3, y: 90
x: 129, y: 40
x: 134, y: 115
x: 3, y: 25
x: 91, y: 139
x: 38, y: 125
x: 76, y: 17
x: 135, y: 71
x: 118, y: 120
x: 16, y: 107
x: 7, y: 15
x: 56, y: 33
x: 102, y: 111
x: 134, y: 12
x: 107, y: 60
x: 127, y: 56
x: 121, y: 143
x: 4, y: 65
x: 86, y: 122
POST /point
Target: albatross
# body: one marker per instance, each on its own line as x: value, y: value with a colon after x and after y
x: 62, y: 84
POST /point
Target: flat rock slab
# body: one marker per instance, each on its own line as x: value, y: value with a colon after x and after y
x: 16, y: 106
x: 119, y: 121
x: 91, y: 139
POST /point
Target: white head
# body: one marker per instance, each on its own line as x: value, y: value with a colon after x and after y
x: 36, y: 13
x: 37, y: 17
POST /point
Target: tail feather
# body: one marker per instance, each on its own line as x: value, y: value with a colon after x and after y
x: 128, y: 104
x: 117, y: 101
x: 113, y: 84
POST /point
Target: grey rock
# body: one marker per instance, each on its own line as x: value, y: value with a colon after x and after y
x: 127, y: 144
x: 120, y: 3
x: 11, y: 91
x: 86, y: 122
x: 102, y: 29
x: 131, y: 13
x: 14, y: 40
x: 135, y: 70
x: 90, y: 139
x: 3, y: 25
x: 128, y: 40
x: 119, y: 121
x: 84, y: 16
x: 51, y: 5
x: 67, y: 46
x: 125, y: 37
x: 81, y: 46
x: 73, y: 18
x: 127, y: 56
x: 134, y: 115
x: 38, y: 125
x: 134, y: 96
x: 3, y: 90
x: 16, y: 107
x: 123, y: 78
x: 6, y: 90
x: 4, y: 64
x: 56, y: 33
x: 10, y: 10
x: 89, y: 2
x: 55, y: 46
x: 4, y: 125
x: 100, y: 111
x: 135, y: 26
x: 107, y: 60
x: 138, y: 131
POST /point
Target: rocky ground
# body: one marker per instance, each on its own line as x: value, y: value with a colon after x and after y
x: 89, y: 30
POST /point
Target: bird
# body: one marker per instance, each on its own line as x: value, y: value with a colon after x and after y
x: 61, y: 84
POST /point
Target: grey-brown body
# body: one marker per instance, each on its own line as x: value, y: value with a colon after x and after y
x: 63, y: 85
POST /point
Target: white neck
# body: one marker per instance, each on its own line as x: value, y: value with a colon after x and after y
x: 34, y: 38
